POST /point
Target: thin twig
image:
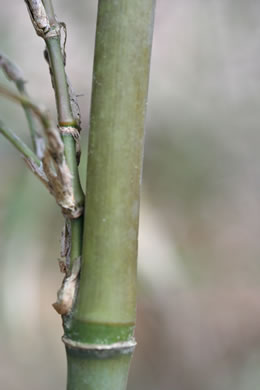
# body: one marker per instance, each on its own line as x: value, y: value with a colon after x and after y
x: 15, y: 74
x: 55, y: 143
x: 47, y: 26
x: 37, y: 139
x: 19, y: 144
x: 43, y: 117
x: 60, y: 184
x: 30, y: 158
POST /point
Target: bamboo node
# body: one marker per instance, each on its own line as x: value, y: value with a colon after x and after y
x: 74, y: 132
x: 101, y: 350
x: 52, y: 33
x: 69, y: 130
x: 72, y: 212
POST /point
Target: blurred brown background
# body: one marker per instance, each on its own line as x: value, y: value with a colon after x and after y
x: 198, y: 324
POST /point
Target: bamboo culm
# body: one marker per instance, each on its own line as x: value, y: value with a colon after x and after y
x: 99, y: 334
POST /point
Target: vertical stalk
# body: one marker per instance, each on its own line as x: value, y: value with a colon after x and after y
x: 65, y: 119
x: 99, y: 335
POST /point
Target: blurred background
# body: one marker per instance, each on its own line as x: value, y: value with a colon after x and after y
x: 198, y: 324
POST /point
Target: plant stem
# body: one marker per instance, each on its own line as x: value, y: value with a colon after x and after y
x: 59, y: 184
x: 65, y: 115
x: 19, y: 144
x: 14, y: 73
x: 65, y: 118
x: 30, y: 118
x: 25, y: 101
x: 89, y: 373
x: 99, y: 337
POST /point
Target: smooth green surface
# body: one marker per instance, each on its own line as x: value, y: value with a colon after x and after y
x: 65, y: 116
x: 76, y: 237
x: 105, y: 309
x: 119, y: 95
x: 94, y: 333
x: 88, y: 373
x: 70, y: 155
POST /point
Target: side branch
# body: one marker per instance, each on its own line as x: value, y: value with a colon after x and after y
x: 14, y: 73
x: 19, y: 145
x: 46, y: 25
x: 30, y: 158
x: 59, y: 181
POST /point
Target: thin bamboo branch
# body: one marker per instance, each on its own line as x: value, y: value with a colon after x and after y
x: 59, y: 184
x: 54, y: 140
x: 46, y: 25
x: 31, y: 159
x: 48, y: 28
x: 19, y: 144
x: 14, y: 73
x: 37, y: 139
x: 66, y: 119
x: 64, y: 109
x: 24, y: 100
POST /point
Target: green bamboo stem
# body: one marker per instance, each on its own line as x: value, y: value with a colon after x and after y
x: 90, y: 373
x: 99, y: 335
x: 19, y: 144
x: 65, y: 118
x: 63, y: 104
